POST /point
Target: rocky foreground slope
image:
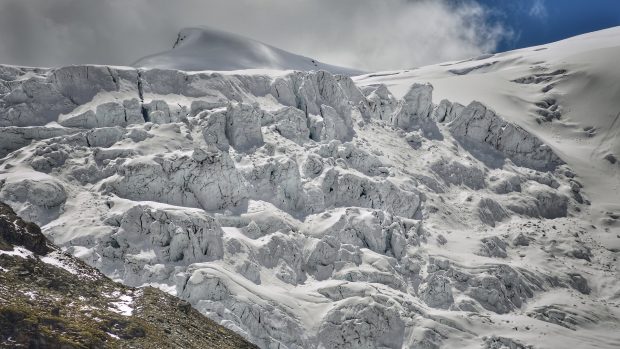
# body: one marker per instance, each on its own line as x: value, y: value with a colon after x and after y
x: 51, y: 300
x: 303, y: 211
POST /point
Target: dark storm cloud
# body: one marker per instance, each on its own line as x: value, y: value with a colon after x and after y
x: 366, y: 34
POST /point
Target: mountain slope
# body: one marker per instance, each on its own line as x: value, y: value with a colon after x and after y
x: 204, y: 48
x: 311, y: 210
x: 52, y: 300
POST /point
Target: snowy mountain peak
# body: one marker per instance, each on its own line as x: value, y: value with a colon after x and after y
x: 202, y: 48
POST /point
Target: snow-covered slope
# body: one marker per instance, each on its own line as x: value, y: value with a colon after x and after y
x: 567, y: 93
x: 203, y: 48
x: 310, y: 210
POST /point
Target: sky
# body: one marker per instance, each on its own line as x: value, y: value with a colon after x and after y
x: 364, y: 34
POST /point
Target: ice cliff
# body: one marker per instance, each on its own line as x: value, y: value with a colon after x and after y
x: 294, y: 207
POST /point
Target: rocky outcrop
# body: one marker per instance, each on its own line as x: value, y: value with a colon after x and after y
x: 76, y: 306
x: 15, y: 232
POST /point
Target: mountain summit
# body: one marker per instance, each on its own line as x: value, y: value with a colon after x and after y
x: 202, y: 48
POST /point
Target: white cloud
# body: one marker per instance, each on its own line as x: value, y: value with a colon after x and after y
x: 367, y: 34
x: 538, y: 9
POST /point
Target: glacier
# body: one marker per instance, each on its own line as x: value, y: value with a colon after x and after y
x: 304, y: 209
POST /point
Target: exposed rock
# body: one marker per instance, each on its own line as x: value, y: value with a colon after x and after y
x: 14, y: 231
x: 76, y: 306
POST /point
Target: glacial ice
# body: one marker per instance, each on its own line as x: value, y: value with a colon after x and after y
x: 297, y: 209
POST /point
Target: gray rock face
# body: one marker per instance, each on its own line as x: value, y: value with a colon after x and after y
x: 478, y: 125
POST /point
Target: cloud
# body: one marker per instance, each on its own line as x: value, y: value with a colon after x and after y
x: 538, y: 9
x: 367, y: 34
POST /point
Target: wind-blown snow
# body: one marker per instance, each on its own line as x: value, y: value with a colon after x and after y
x: 311, y: 210
x: 203, y: 48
